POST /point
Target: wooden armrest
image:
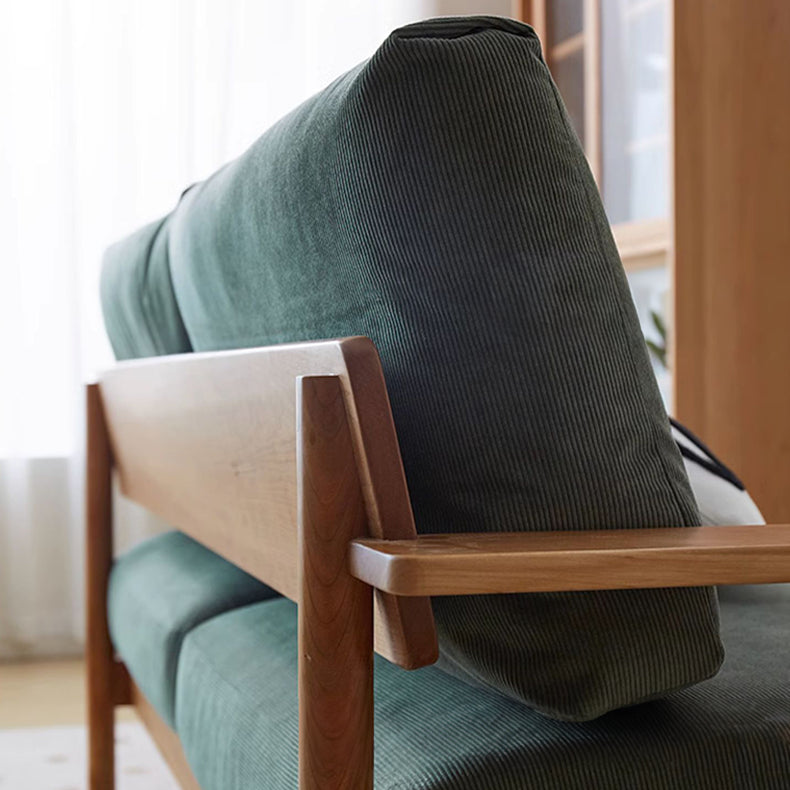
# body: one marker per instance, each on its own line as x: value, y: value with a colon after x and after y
x: 473, y: 564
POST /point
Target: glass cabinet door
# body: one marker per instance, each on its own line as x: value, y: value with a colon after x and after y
x: 565, y: 43
x: 610, y: 60
x: 635, y: 109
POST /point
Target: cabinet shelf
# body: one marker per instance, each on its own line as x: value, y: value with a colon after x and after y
x: 567, y: 47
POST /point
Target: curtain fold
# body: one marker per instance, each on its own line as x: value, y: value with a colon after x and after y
x: 109, y: 109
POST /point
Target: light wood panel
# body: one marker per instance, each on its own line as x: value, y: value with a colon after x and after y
x: 644, y: 244
x: 569, y: 46
x: 165, y: 739
x: 533, y: 12
x: 335, y: 609
x: 565, y: 561
x: 732, y: 236
x: 207, y: 441
x: 593, y: 143
x: 99, y: 658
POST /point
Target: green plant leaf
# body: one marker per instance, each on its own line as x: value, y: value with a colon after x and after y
x: 659, y: 352
x: 658, y: 323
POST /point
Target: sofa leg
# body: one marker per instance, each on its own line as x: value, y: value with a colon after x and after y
x: 99, y: 660
x: 335, y: 609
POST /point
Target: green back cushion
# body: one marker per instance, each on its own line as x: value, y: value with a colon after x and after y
x: 436, y: 199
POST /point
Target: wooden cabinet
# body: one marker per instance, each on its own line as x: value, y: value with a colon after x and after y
x: 731, y: 224
x: 610, y: 60
x: 683, y: 108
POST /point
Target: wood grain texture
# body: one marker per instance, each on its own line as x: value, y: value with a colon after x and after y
x: 165, y: 739
x: 473, y: 564
x: 568, y: 46
x: 207, y: 441
x: 593, y: 113
x: 122, y: 685
x: 533, y: 12
x: 732, y: 237
x: 335, y: 609
x: 99, y: 659
x: 643, y: 244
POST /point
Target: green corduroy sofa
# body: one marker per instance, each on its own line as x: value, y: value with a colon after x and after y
x: 436, y: 200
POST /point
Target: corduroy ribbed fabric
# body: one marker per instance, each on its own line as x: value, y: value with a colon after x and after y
x: 140, y: 309
x: 160, y: 590
x: 436, y: 199
x: 237, y: 717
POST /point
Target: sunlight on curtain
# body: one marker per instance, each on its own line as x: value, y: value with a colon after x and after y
x: 109, y: 109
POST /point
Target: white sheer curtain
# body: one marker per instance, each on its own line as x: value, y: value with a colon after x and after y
x: 107, y: 111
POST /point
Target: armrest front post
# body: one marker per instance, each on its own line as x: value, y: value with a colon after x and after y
x: 335, y: 609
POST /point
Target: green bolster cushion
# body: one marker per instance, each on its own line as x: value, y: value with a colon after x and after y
x: 437, y: 200
x: 140, y: 309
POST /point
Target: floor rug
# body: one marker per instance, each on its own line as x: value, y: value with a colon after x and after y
x: 54, y: 758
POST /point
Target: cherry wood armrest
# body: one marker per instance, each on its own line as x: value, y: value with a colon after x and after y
x: 473, y: 564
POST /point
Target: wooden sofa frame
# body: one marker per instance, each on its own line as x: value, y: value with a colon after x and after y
x: 285, y: 461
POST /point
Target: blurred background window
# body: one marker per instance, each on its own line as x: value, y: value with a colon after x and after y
x: 635, y: 110
x: 610, y: 61
x: 110, y: 109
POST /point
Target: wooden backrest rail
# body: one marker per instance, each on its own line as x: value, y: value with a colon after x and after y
x: 207, y: 442
x: 276, y: 458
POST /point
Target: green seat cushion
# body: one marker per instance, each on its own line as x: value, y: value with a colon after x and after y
x: 436, y: 199
x: 236, y: 708
x: 158, y: 592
